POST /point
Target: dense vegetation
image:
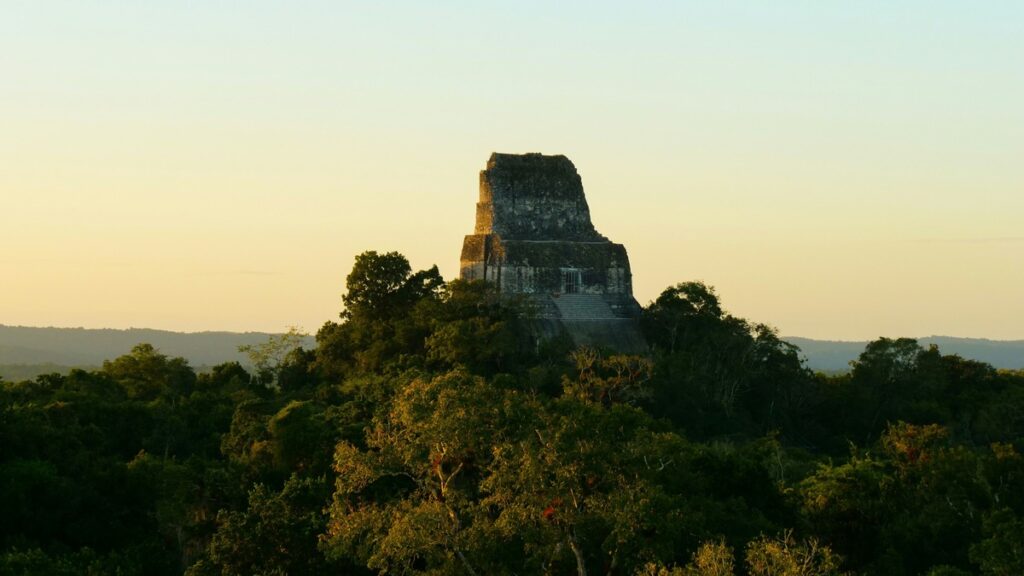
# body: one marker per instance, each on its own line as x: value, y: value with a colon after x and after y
x: 428, y: 434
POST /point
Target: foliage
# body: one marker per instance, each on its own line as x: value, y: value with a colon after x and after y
x: 716, y: 374
x: 428, y: 433
x: 1001, y: 552
x: 269, y: 357
x: 784, y: 556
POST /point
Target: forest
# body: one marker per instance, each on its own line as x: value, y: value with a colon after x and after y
x: 427, y: 432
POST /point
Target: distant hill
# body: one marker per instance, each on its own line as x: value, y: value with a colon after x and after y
x: 835, y: 356
x: 26, y: 352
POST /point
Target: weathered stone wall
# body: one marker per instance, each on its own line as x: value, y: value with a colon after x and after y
x: 532, y: 223
x: 536, y: 267
x: 533, y: 229
x: 533, y: 197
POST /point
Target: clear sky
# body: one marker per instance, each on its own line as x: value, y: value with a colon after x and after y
x: 839, y: 170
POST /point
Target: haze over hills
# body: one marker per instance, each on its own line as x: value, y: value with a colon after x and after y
x: 28, y: 351
x: 835, y: 356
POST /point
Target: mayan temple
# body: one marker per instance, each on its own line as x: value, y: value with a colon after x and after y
x: 534, y: 238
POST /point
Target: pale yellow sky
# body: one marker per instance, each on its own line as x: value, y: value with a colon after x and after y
x: 836, y: 172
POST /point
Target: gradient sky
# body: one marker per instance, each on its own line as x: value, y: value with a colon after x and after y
x: 839, y: 170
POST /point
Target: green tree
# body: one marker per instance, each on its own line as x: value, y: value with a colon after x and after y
x: 276, y: 534
x: 146, y: 374
x: 383, y: 286
x: 711, y: 559
x: 717, y: 374
x: 679, y: 311
x: 784, y: 556
x: 1001, y: 552
x: 608, y: 379
x: 378, y: 327
x: 472, y: 326
x: 269, y: 357
x: 894, y: 380
x: 301, y: 438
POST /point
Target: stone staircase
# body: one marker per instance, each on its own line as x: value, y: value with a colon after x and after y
x: 583, y: 307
